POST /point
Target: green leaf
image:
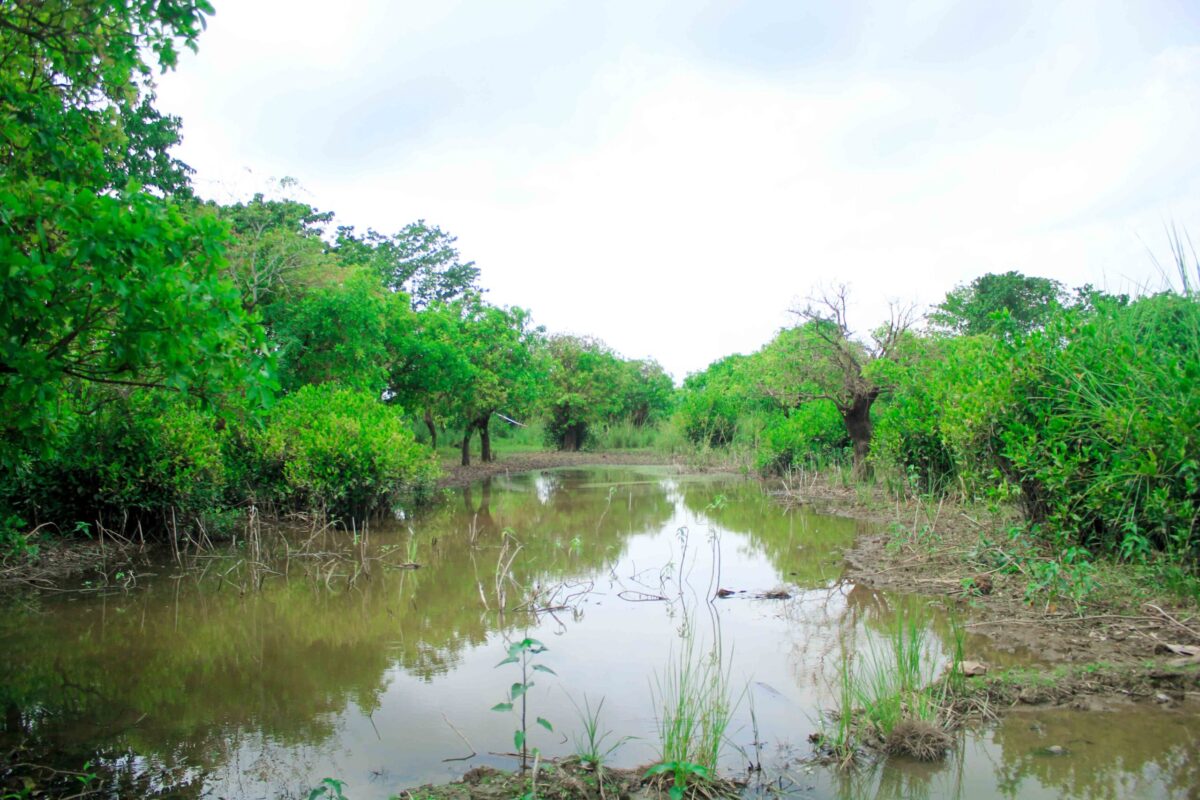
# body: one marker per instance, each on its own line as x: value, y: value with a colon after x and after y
x: 659, y: 769
x: 541, y: 668
x: 519, y: 740
x: 545, y: 724
x: 502, y: 707
x: 519, y: 689
x: 509, y: 660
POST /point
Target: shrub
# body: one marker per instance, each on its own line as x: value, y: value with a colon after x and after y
x: 141, y: 458
x: 708, y: 417
x: 1095, y: 419
x: 342, y: 450
x: 811, y: 435
x: 909, y: 445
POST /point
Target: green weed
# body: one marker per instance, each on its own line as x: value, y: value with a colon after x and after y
x: 695, y: 707
x: 523, y: 653
x: 593, y: 748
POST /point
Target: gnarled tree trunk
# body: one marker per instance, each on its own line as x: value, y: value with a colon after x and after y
x: 573, y: 436
x: 857, y: 418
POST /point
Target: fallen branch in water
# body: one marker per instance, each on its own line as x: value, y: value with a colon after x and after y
x: 465, y: 741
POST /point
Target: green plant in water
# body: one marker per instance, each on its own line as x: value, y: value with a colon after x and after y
x: 86, y: 775
x: 896, y: 684
x: 892, y: 686
x: 523, y: 653
x: 591, y: 747
x: 682, y: 771
x: 838, y: 739
x: 695, y: 709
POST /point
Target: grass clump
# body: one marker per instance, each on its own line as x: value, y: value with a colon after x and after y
x: 594, y: 747
x: 694, y: 709
x: 893, y: 702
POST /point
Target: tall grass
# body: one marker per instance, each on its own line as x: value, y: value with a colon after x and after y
x: 694, y: 707
x: 894, y: 683
x: 624, y: 435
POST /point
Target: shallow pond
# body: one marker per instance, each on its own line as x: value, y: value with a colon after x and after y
x: 259, y: 672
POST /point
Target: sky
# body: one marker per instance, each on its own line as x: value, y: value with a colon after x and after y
x: 674, y: 177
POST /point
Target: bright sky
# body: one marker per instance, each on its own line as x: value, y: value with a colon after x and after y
x: 672, y: 177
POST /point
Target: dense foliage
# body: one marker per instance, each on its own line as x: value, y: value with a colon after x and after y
x: 590, y: 386
x: 1083, y: 407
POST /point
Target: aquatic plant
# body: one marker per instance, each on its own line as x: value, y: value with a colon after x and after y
x: 694, y: 709
x: 591, y: 748
x: 893, y: 697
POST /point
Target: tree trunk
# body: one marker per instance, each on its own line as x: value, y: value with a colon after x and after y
x: 466, y: 445
x: 572, y: 438
x: 485, y: 439
x: 857, y: 418
x: 432, y: 426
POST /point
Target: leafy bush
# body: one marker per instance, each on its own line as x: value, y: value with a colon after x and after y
x: 910, y: 447
x: 708, y: 417
x: 138, y: 459
x: 1095, y: 420
x: 1108, y: 436
x: 810, y: 435
x: 342, y: 450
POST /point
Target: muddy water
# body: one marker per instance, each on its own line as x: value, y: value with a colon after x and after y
x: 326, y: 659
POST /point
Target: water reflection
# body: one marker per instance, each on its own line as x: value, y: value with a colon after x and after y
x: 330, y: 670
x: 1134, y: 752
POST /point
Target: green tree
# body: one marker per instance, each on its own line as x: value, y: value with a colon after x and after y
x: 420, y: 260
x: 502, y: 373
x: 822, y: 360
x: 276, y: 248
x: 647, y: 392
x: 431, y: 367
x: 103, y: 278
x: 350, y: 332
x: 584, y: 384
x: 711, y: 402
x: 76, y: 91
x: 1008, y: 304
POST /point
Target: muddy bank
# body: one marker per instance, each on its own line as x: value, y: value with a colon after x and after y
x: 946, y: 550
x: 457, y: 475
x: 564, y: 780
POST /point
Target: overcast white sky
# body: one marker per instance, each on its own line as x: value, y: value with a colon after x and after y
x: 672, y: 177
